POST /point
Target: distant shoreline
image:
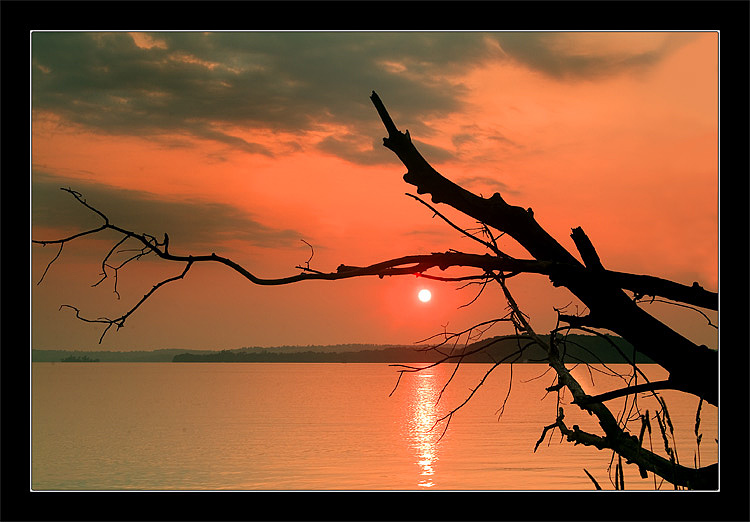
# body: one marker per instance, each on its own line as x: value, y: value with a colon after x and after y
x: 581, y: 348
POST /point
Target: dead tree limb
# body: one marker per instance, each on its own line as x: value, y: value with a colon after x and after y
x: 692, y: 368
x: 614, y: 394
x: 616, y: 438
x: 405, y: 265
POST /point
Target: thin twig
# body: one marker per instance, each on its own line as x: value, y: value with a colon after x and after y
x: 693, y: 308
x: 50, y: 263
x: 596, y: 484
x: 492, y: 246
x: 120, y: 321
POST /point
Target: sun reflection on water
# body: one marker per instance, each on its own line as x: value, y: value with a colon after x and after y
x: 423, y: 412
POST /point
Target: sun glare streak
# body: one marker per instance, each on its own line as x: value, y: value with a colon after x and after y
x: 423, y: 414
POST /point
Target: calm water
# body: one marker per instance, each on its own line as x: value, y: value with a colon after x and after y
x: 254, y: 426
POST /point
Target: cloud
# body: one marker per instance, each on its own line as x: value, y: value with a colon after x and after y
x: 351, y: 148
x: 191, y: 224
x: 487, y: 183
x: 290, y: 82
x: 197, y: 84
x: 587, y: 55
x: 472, y: 133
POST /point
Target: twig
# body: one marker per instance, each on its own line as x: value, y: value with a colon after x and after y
x: 483, y: 286
x: 596, y: 484
x: 50, y: 263
x: 689, y: 307
x: 120, y: 321
x: 501, y: 410
x: 492, y: 246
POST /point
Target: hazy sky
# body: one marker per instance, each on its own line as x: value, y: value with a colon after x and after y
x: 244, y: 144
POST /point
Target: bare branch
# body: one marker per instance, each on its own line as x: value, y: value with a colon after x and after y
x: 614, y: 394
x: 475, y: 278
x: 446, y: 358
x: 607, y: 301
x: 406, y: 265
x: 482, y: 327
x: 673, y: 303
x: 492, y: 246
x: 596, y: 484
x: 450, y: 414
x: 59, y: 251
x: 616, y: 438
x: 120, y: 321
x: 586, y: 249
x: 483, y: 286
x: 549, y: 427
x: 599, y: 289
x: 312, y: 254
x: 501, y: 410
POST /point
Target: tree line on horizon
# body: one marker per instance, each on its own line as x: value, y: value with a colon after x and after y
x: 582, y: 347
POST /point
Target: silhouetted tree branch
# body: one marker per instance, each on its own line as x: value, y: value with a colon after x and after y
x: 406, y: 265
x: 604, y: 298
x: 692, y: 368
x: 616, y: 438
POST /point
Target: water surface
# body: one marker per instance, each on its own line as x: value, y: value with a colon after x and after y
x: 287, y: 426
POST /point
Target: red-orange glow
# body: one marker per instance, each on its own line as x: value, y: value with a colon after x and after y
x: 630, y: 155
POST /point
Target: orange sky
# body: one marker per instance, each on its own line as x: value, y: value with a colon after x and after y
x: 245, y: 143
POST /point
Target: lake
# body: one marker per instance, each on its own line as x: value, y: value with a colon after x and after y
x: 308, y: 426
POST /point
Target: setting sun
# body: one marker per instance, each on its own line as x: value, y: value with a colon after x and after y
x: 266, y: 212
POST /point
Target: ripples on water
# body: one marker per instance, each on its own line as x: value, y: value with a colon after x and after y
x: 256, y: 426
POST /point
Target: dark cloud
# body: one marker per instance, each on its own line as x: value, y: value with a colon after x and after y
x: 350, y: 148
x: 291, y: 82
x: 189, y: 223
x: 200, y: 83
x: 542, y: 52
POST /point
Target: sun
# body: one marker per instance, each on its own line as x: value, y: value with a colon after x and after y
x: 424, y: 295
